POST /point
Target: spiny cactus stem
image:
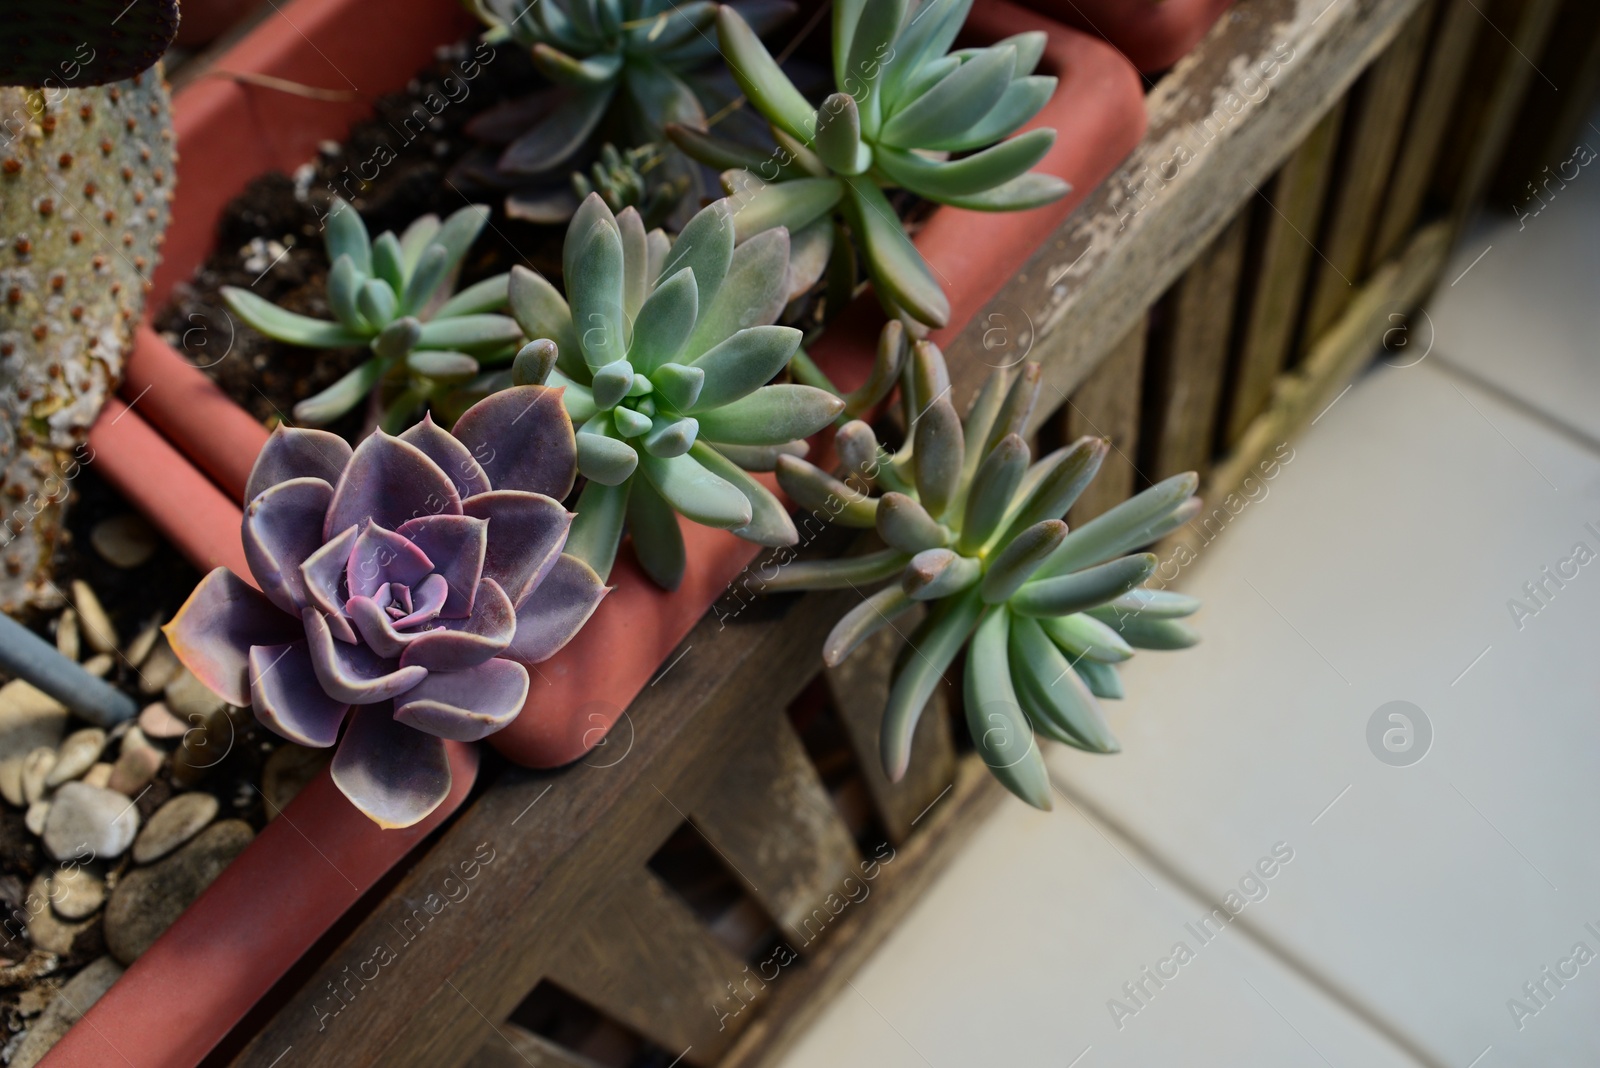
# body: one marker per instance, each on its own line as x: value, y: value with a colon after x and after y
x: 28, y: 656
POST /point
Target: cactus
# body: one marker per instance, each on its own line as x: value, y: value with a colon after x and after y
x: 905, y: 104
x: 976, y: 534
x: 86, y: 177
x: 664, y: 349
x: 394, y: 295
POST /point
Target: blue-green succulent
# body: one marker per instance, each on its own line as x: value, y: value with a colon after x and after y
x: 665, y: 349
x: 396, y: 295
x: 908, y: 113
x: 975, y: 533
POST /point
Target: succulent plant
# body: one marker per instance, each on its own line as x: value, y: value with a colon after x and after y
x: 621, y: 70
x: 905, y: 104
x: 624, y: 180
x: 976, y: 535
x: 664, y: 349
x: 403, y: 587
x: 86, y: 177
x: 394, y: 295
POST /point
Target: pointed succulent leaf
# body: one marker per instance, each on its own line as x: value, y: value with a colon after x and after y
x: 753, y: 293
x: 1017, y: 409
x: 590, y: 72
x: 604, y: 458
x: 760, y: 78
x: 937, y: 455
x: 769, y: 416
x: 793, y: 204
x: 837, y: 574
x: 678, y: 386
x: 961, y: 99
x: 1020, y: 559
x: 746, y: 361
x: 1149, y: 633
x: 470, y: 333
x: 1084, y: 589
x: 936, y: 641
x: 721, y: 154
x: 458, y: 232
x: 875, y: 612
x: 611, y: 383
x: 376, y: 302
x: 1101, y: 679
x: 870, y: 46
x: 769, y: 520
x: 907, y: 526
x: 556, y: 610
x: 281, y: 325
x: 344, y: 282
x: 352, y: 673
x: 593, y: 259
x: 552, y: 142
x: 417, y: 237
x: 974, y: 174
x: 1031, y: 190
x: 993, y: 489
x: 534, y: 362
x: 389, y: 481
x: 762, y: 457
x: 1082, y: 636
x: 896, y: 266
x: 293, y: 452
x: 629, y: 423
x: 1023, y: 99
x: 442, y: 364
x: 466, y: 706
x: 1058, y: 693
x: 596, y: 531
x: 706, y: 245
x: 657, y: 538
x: 812, y: 488
x: 489, y: 295
x: 452, y: 457
x: 397, y: 339
x: 425, y: 279
x: 387, y: 261
x: 286, y: 696
x: 282, y: 527
x: 526, y: 534
x: 838, y: 137
x: 346, y: 235
x: 669, y: 438
x: 665, y: 321
x: 1000, y: 730
x: 926, y: 37
x: 1157, y: 604
x: 1062, y: 477
x: 934, y: 574
x: 695, y: 492
x: 1124, y: 527
x: 541, y: 311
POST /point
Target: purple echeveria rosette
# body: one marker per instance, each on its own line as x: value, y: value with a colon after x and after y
x: 404, y: 584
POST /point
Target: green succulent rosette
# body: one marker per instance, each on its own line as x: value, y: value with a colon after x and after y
x: 975, y: 533
x: 909, y: 113
x: 665, y: 349
x: 396, y: 295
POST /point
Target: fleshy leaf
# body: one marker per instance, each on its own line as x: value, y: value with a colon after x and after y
x: 214, y: 630
x: 1084, y: 589
x: 291, y: 452
x: 324, y: 572
x: 743, y: 363
x: 769, y: 519
x: 395, y: 775
x: 657, y: 538
x: 526, y: 533
x: 462, y: 643
x: 382, y: 556
x: 289, y: 700
x: 1000, y: 731
x: 770, y: 415
x: 452, y: 457
x: 389, y: 481
x: 353, y: 673
x: 556, y: 610
x: 466, y: 706
x: 696, y: 492
x: 522, y: 437
x: 282, y: 527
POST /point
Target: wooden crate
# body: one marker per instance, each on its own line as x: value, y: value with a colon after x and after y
x: 695, y: 890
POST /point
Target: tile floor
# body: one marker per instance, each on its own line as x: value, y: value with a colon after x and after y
x: 1381, y: 565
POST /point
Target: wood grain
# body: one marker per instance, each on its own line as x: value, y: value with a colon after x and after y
x: 1378, y: 111
x: 1184, y: 381
x: 1294, y: 202
x: 1107, y: 405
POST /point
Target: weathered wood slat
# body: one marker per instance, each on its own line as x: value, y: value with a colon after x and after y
x: 1186, y: 378
x: 1221, y: 123
x: 1378, y: 116
x: 1431, y: 117
x: 770, y: 818
x: 900, y: 877
x: 860, y: 689
x: 1295, y: 198
x: 648, y: 963
x: 517, y: 1047
x: 554, y: 836
x: 1495, y: 88
x: 1107, y: 405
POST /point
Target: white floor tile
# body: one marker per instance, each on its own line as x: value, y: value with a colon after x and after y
x: 1378, y: 567
x: 1015, y: 954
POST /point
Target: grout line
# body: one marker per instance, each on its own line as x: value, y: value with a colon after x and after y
x: 1575, y: 434
x: 1284, y: 954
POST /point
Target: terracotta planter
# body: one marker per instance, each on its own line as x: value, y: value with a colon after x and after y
x: 289, y: 886
x: 579, y: 694
x: 1153, y: 34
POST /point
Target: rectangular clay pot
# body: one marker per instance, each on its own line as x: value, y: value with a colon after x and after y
x: 1153, y: 34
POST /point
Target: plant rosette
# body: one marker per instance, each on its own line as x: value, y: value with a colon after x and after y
x: 404, y: 585
x: 976, y: 533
